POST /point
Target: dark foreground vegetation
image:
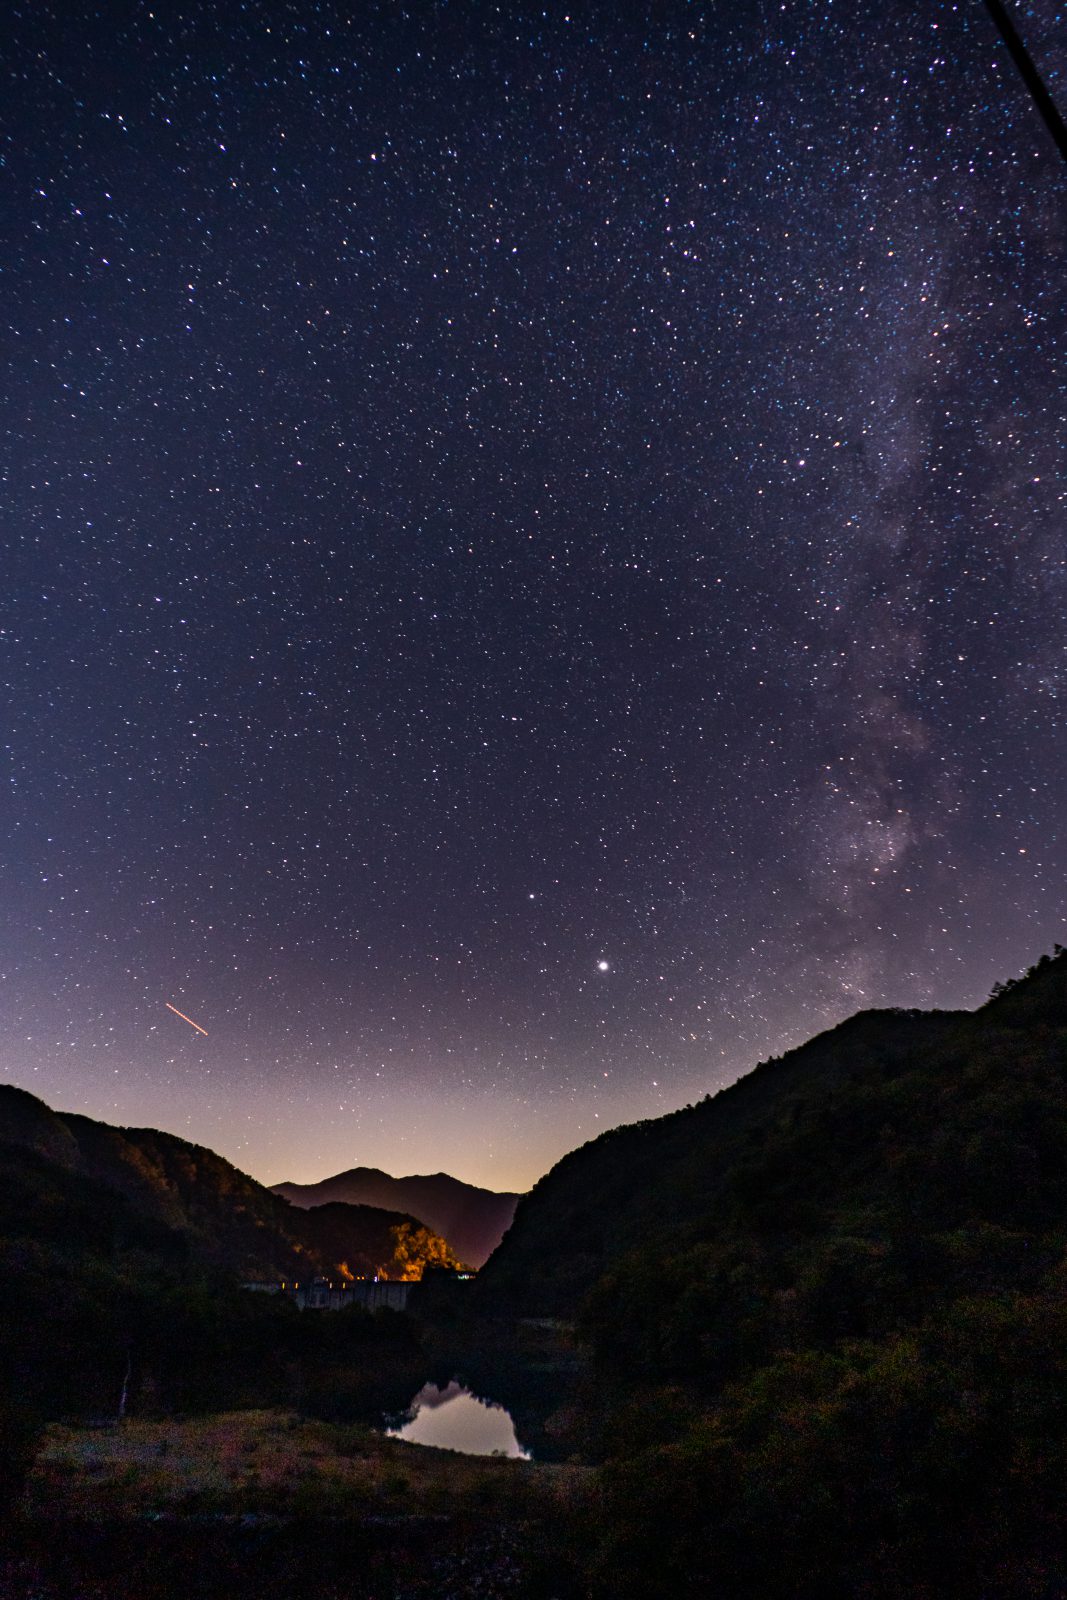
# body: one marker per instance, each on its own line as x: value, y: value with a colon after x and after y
x: 270, y: 1503
x: 825, y: 1325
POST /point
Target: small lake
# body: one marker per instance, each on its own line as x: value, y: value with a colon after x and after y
x: 454, y: 1419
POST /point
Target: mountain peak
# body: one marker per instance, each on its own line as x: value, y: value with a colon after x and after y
x: 473, y: 1220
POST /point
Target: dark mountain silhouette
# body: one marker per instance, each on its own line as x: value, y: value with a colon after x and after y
x: 658, y: 1183
x: 67, y: 1169
x: 836, y: 1123
x: 122, y: 1253
x: 473, y: 1220
x: 828, y: 1314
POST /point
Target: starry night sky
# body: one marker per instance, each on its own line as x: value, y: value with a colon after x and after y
x: 534, y: 556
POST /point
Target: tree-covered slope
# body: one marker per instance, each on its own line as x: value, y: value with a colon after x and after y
x: 891, y: 1123
x: 828, y: 1316
x: 121, y: 1257
x: 856, y: 1209
x: 407, y: 1247
x: 217, y: 1215
x: 656, y: 1182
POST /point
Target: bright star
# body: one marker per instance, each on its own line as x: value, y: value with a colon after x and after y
x: 603, y: 966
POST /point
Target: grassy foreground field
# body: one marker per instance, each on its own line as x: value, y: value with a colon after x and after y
x: 276, y: 1464
x: 246, y: 1502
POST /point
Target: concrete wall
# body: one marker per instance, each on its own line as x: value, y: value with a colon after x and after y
x: 320, y: 1295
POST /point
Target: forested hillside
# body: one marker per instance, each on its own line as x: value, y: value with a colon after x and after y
x: 211, y: 1213
x: 829, y: 1309
x: 661, y: 1182
x: 121, y: 1252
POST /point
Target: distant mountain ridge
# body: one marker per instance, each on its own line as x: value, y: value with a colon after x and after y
x: 190, y: 1201
x: 473, y: 1220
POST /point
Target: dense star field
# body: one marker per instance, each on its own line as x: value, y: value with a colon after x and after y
x: 534, y: 571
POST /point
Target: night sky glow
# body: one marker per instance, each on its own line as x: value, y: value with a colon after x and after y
x: 534, y: 556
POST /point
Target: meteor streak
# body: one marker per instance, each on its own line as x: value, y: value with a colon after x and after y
x: 184, y: 1018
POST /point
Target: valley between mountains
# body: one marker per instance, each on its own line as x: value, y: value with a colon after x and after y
x: 814, y: 1326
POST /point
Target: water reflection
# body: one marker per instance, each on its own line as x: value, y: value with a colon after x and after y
x: 453, y: 1419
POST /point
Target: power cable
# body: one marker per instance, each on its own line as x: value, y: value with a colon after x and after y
x: 1031, y: 77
